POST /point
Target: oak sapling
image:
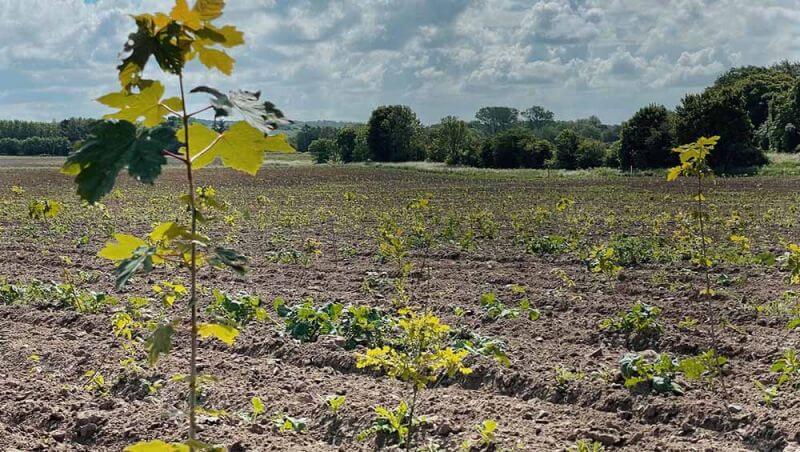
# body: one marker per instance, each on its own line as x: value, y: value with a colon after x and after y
x: 136, y: 138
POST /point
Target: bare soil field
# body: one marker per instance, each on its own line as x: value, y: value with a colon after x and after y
x: 312, y: 231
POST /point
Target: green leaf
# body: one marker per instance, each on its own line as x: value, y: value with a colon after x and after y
x: 146, y: 104
x: 112, y: 147
x: 224, y: 333
x: 241, y: 147
x: 224, y: 257
x: 154, y: 37
x: 142, y: 259
x: 122, y: 249
x: 160, y: 342
x: 264, y: 116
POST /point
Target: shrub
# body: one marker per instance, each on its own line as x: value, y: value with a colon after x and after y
x: 518, y: 148
x: 323, y: 149
x: 719, y: 112
x: 647, y: 139
x: 392, y: 134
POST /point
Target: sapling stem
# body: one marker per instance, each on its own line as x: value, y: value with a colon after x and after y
x: 192, y: 272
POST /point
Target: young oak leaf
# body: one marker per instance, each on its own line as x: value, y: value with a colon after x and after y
x: 147, y: 104
x: 224, y: 333
x: 241, y: 147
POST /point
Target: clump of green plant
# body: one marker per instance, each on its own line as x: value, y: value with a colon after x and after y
x: 476, y: 344
x: 285, y: 423
x: 787, y: 368
x: 305, y: 322
x: 419, y: 355
x: 334, y: 404
x: 496, y: 309
x: 257, y: 408
x: 546, y: 244
x: 640, y: 325
x: 658, y: 374
x: 487, y: 436
x: 585, y: 445
x: 661, y: 372
x: 236, y: 311
x: 393, y: 426
x: 603, y: 259
x: 56, y: 295
x: 135, y: 138
x: 633, y: 250
x: 564, y: 377
x: 44, y: 209
x: 363, y: 326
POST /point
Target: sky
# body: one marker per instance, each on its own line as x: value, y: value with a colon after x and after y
x: 340, y: 59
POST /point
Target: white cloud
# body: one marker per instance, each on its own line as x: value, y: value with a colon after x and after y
x: 341, y: 58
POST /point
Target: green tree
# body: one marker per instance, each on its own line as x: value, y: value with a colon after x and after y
x: 323, y: 149
x: 646, y: 139
x: 452, y: 139
x: 392, y: 134
x: 494, y: 120
x: 518, y: 148
x: 784, y: 122
x: 719, y: 112
x: 591, y: 153
x: 567, y: 143
x: 538, y: 116
x: 346, y: 140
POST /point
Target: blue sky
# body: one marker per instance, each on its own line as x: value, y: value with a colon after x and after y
x: 340, y: 59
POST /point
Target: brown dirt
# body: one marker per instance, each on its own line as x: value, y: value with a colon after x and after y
x: 47, y: 409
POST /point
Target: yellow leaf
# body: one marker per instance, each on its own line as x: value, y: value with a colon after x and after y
x: 182, y: 13
x: 224, y: 333
x: 674, y: 173
x: 71, y: 169
x: 212, y: 58
x: 209, y: 9
x: 161, y: 20
x: 227, y: 36
x: 241, y: 147
x: 157, y: 446
x: 167, y: 231
x: 146, y: 104
x: 129, y: 74
x: 123, y: 248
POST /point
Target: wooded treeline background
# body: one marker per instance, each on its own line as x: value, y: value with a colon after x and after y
x: 754, y: 109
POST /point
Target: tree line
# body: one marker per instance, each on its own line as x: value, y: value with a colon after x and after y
x: 42, y: 138
x: 754, y: 109
x: 500, y: 137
